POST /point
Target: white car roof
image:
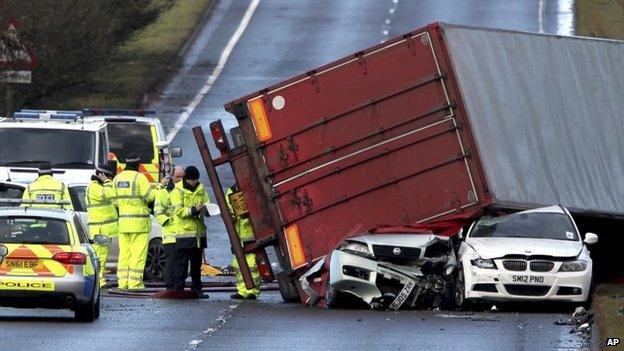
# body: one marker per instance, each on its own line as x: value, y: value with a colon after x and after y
x: 37, y: 212
x: 547, y: 209
x: 93, y: 126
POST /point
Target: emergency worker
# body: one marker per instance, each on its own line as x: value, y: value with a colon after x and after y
x: 46, y: 188
x: 133, y: 196
x: 163, y: 210
x: 245, y: 234
x: 101, y: 212
x: 188, y: 199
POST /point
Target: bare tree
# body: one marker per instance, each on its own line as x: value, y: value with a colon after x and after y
x: 71, y: 38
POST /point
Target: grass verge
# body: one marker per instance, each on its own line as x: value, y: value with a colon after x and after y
x: 608, y: 299
x: 145, y: 62
x: 600, y: 18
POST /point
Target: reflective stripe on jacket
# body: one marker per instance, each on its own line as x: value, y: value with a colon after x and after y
x: 133, y: 194
x: 163, y: 210
x: 183, y: 200
x: 101, y: 210
x: 46, y: 188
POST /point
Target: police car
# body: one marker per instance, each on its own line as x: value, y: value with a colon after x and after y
x: 74, y: 147
x: 138, y: 132
x: 46, y: 261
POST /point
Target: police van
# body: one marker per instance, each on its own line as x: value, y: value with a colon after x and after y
x: 138, y: 132
x: 72, y: 145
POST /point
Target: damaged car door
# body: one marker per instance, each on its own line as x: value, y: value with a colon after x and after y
x: 392, y: 271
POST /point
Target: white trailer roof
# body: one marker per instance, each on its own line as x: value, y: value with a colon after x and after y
x: 547, y: 114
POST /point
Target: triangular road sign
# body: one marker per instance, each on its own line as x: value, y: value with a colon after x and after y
x: 14, y: 53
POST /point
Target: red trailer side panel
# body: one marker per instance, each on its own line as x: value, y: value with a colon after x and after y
x: 373, y: 139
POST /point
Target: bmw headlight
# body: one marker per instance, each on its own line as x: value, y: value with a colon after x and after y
x: 356, y: 248
x: 573, y: 266
x: 485, y: 264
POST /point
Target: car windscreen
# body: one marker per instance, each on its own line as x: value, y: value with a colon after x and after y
x: 136, y: 138
x: 29, y: 147
x: 33, y: 230
x: 539, y: 225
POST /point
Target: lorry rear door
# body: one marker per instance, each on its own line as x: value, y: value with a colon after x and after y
x: 373, y: 139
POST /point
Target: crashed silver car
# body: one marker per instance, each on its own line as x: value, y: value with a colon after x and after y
x: 392, y: 271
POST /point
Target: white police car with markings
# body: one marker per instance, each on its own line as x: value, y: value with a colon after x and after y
x: 74, y: 147
x: 46, y: 261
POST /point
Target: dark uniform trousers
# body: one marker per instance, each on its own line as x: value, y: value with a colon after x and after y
x: 187, y: 252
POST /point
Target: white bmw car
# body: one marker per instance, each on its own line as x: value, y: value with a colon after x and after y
x: 530, y: 255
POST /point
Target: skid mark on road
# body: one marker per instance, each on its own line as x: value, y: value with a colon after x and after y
x: 225, y: 55
x: 206, y: 334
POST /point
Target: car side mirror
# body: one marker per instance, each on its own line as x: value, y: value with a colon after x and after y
x: 100, y: 240
x: 175, y: 151
x: 590, y: 238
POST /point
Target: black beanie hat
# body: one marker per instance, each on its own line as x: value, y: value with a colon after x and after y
x: 133, y: 158
x: 45, y: 168
x: 191, y: 172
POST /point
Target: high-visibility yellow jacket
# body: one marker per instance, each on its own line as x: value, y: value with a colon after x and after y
x: 242, y: 223
x: 101, y: 210
x: 133, y: 194
x: 46, y: 188
x: 163, y: 210
x: 187, y: 224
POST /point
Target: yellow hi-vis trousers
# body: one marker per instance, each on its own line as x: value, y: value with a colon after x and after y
x: 101, y: 251
x: 132, y: 256
x: 240, y: 283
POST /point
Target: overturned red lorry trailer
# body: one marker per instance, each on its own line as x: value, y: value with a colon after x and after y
x: 441, y: 121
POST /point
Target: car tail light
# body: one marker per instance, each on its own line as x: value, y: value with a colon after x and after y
x: 218, y: 135
x: 295, y: 249
x: 70, y: 257
x: 259, y: 118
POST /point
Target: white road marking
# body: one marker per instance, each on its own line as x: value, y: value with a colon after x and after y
x: 385, y: 29
x: 206, y: 334
x: 225, y: 55
x: 540, y: 16
x: 564, y: 18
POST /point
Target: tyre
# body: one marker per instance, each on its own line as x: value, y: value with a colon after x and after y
x: 288, y: 290
x: 97, y: 308
x: 448, y: 301
x: 155, y: 262
x: 330, y: 297
x: 86, y: 312
x: 459, y: 290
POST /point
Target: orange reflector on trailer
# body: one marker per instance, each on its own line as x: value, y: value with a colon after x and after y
x: 295, y: 249
x: 259, y: 118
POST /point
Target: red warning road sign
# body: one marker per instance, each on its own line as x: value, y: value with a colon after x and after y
x: 14, y: 54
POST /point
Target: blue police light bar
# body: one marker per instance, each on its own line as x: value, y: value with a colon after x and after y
x: 66, y: 116
x: 117, y: 112
x: 26, y: 115
x: 47, y: 115
x: 72, y: 112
